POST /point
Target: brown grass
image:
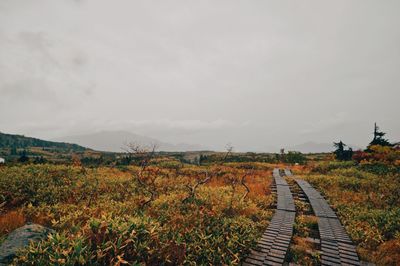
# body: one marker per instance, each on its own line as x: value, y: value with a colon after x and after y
x: 216, y: 182
x: 388, y: 253
x: 10, y: 221
x: 259, y: 186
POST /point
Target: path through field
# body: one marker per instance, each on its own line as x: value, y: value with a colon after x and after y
x: 335, y: 246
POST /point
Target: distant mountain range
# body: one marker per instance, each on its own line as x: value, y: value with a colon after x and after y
x: 313, y: 147
x: 21, y: 142
x: 115, y: 141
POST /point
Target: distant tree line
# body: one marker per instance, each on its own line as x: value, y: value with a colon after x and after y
x: 235, y: 158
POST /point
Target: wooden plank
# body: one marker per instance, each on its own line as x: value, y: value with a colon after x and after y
x: 280, y: 248
x: 327, y: 263
x: 274, y: 259
x: 277, y: 252
x: 255, y: 257
x: 336, y: 245
x: 258, y: 253
x: 272, y: 263
x: 331, y: 259
x: 347, y: 257
x: 275, y: 241
x: 349, y: 262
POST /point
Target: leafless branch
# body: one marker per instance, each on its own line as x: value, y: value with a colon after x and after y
x: 243, y: 182
x: 229, y: 149
x: 145, y: 177
x: 192, y: 189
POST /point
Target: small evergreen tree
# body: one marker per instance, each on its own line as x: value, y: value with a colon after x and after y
x: 39, y: 160
x: 341, y: 153
x: 23, y: 158
x: 202, y: 159
x: 13, y: 150
x: 379, y: 138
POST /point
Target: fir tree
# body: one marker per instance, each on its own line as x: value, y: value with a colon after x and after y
x: 379, y: 138
x: 341, y: 153
x: 23, y: 158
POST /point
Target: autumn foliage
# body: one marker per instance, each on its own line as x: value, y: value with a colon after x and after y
x: 100, y: 218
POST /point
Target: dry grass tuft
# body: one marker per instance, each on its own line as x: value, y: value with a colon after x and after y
x: 10, y: 221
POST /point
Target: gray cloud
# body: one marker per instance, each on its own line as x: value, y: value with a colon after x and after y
x: 27, y: 89
x: 254, y: 73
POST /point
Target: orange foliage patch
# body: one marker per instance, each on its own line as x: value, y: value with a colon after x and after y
x: 216, y: 182
x: 10, y: 221
x: 389, y: 253
x: 259, y: 186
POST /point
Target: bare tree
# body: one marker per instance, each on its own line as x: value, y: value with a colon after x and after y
x: 149, y: 186
x: 229, y: 150
x: 243, y: 183
x: 145, y: 177
x: 192, y: 189
x: 141, y: 153
x: 234, y: 181
x: 231, y: 180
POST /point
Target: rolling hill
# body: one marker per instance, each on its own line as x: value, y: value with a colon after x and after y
x: 22, y: 142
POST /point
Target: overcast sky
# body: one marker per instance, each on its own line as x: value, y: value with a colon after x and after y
x: 258, y: 74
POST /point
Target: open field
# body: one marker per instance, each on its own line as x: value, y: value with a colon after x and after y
x: 99, y: 217
x: 168, y: 212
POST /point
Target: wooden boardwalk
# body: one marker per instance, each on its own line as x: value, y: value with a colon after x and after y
x: 274, y: 243
x: 336, y: 246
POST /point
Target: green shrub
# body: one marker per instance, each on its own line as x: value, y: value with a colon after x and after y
x: 326, y: 167
x: 37, y: 184
x: 376, y: 168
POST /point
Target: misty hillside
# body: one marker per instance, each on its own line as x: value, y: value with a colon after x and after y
x: 115, y: 141
x: 20, y: 141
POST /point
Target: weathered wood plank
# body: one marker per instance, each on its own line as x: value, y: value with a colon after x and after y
x: 337, y: 247
x: 275, y: 241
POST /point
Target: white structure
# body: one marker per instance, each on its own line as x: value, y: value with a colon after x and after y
x: 2, y: 160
